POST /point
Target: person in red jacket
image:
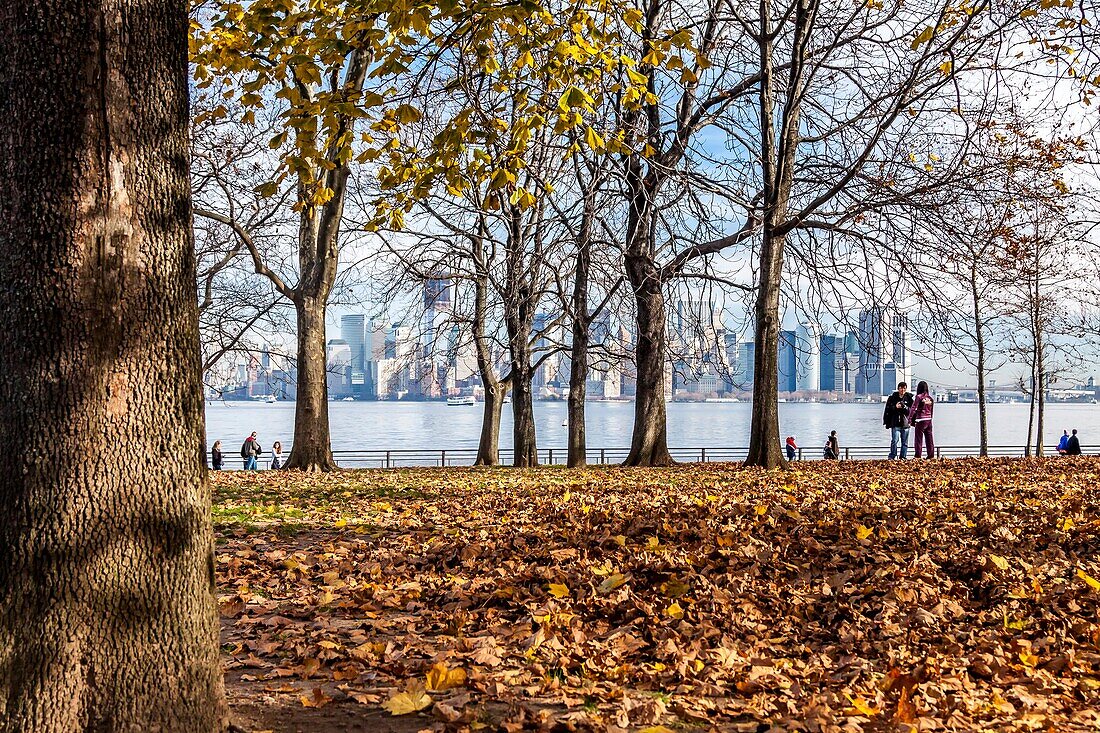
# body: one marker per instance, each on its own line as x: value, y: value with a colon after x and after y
x: 920, y: 415
x: 792, y: 448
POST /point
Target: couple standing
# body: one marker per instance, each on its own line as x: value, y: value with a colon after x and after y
x: 902, y: 412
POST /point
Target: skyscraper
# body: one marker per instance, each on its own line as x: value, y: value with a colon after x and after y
x: 808, y: 348
x: 831, y: 351
x: 884, y: 351
x: 356, y: 330
x: 788, y: 361
x: 746, y: 366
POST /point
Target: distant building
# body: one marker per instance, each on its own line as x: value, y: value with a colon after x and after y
x: 884, y: 352
x: 357, y: 331
x: 831, y: 352
x: 808, y: 348
x: 338, y: 366
x: 788, y: 361
x: 745, y: 368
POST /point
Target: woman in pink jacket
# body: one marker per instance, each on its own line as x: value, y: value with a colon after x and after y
x: 920, y: 415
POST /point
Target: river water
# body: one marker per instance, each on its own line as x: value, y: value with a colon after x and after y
x: 435, y: 425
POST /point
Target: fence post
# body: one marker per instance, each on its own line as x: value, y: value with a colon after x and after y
x: 550, y: 456
x: 702, y: 455
x: 387, y: 459
x: 847, y: 453
x: 601, y: 455
x: 800, y: 454
x: 443, y: 459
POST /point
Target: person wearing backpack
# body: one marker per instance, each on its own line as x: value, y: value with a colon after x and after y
x: 921, y: 416
x: 250, y: 452
x: 832, y: 447
x: 896, y: 419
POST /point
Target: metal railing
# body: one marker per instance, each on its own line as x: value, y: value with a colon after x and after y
x: 421, y: 457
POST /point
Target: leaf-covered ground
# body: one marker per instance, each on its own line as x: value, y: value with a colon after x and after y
x: 956, y: 595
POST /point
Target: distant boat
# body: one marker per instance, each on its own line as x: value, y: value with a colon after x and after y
x: 460, y: 401
x: 349, y: 399
x: 271, y: 399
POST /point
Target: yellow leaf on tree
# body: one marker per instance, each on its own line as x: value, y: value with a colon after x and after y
x: 439, y: 677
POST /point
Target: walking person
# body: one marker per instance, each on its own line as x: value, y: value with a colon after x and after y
x: 792, y: 448
x: 250, y: 452
x: 832, y: 447
x: 896, y: 419
x: 216, y: 458
x: 921, y: 417
x: 1073, y: 445
x: 1063, y: 442
x: 276, y: 456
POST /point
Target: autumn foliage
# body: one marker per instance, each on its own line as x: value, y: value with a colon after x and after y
x: 957, y: 595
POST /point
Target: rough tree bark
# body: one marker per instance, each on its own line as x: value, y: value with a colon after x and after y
x: 107, y: 614
x: 519, y: 316
x: 488, y: 447
x: 765, y: 447
x: 523, y: 420
x: 578, y: 356
x: 778, y: 162
x: 311, y: 449
x: 649, y: 441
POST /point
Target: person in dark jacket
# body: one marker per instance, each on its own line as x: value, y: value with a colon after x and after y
x: 216, y: 458
x: 1073, y: 445
x: 832, y: 447
x: 250, y: 452
x: 920, y: 415
x: 896, y: 419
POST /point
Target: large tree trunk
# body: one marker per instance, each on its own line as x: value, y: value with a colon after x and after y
x: 488, y: 447
x: 765, y: 442
x: 107, y: 614
x: 311, y: 450
x: 649, y: 442
x: 525, y: 450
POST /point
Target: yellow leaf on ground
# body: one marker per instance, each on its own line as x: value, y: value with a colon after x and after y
x: 1093, y: 582
x: 441, y: 678
x: 414, y: 698
x: 863, y: 532
x: 862, y: 706
x: 611, y: 582
x: 559, y: 590
x: 999, y: 561
x: 674, y: 611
